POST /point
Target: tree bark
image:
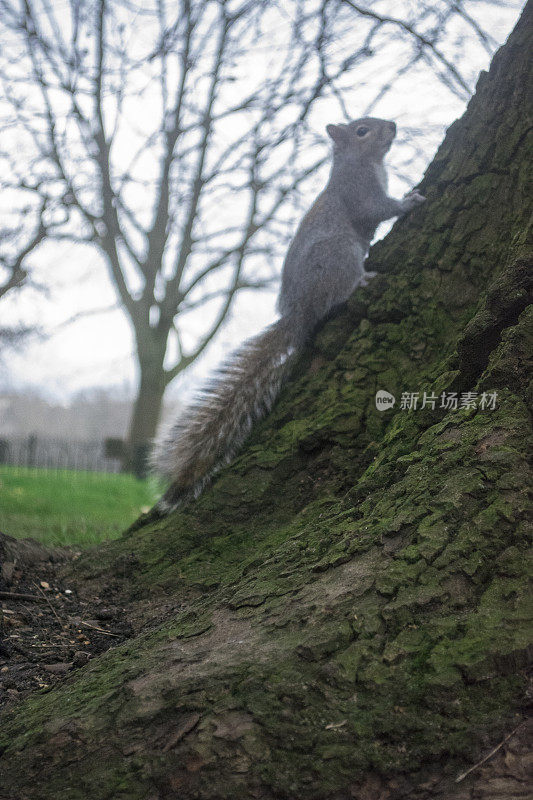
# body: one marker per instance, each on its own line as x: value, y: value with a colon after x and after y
x: 343, y: 613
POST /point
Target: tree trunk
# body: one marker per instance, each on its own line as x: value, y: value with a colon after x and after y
x: 342, y: 613
x: 146, y: 413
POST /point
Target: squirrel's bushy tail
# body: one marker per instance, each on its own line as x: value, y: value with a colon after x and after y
x: 211, y: 430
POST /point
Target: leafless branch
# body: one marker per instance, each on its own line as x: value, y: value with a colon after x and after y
x: 423, y: 40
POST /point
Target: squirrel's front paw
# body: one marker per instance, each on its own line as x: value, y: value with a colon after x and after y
x: 412, y: 199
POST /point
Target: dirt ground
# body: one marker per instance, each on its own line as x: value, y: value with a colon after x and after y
x: 46, y: 629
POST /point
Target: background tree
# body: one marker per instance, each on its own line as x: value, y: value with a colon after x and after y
x: 179, y: 140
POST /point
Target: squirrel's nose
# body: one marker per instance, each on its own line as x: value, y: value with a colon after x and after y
x: 392, y: 126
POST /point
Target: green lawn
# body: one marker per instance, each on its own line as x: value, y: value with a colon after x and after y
x: 67, y: 507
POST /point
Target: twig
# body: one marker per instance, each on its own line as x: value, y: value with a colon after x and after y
x: 96, y: 628
x: 18, y: 596
x: 489, y: 755
x: 54, y: 612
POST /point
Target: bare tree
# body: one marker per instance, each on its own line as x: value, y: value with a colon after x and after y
x: 168, y: 136
x: 15, y: 245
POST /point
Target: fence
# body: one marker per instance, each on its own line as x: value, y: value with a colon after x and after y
x: 56, y: 454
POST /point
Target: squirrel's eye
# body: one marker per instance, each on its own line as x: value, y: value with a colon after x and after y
x: 362, y: 131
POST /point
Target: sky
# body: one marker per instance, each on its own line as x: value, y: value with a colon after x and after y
x: 67, y: 356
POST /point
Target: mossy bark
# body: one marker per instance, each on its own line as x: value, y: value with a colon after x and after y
x: 343, y: 614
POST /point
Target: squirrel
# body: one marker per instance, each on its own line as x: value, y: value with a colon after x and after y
x: 323, y: 266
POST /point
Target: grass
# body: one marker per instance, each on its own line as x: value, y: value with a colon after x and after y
x: 67, y: 507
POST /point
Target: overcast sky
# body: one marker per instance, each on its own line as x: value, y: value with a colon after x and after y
x: 97, y: 350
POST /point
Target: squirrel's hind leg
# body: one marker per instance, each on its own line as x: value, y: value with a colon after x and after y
x: 365, y: 279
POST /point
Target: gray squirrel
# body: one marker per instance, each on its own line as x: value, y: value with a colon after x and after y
x: 323, y: 266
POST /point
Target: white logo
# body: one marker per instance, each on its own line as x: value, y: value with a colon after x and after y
x: 384, y: 400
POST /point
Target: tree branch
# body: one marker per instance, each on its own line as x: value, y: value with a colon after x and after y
x: 423, y: 40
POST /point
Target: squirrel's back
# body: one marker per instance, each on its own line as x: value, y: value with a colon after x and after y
x: 323, y: 262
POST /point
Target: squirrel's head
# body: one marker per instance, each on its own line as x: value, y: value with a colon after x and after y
x: 367, y: 138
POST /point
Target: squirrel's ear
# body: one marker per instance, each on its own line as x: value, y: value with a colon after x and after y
x: 337, y: 133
